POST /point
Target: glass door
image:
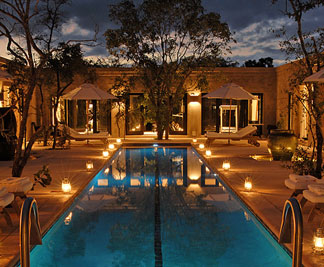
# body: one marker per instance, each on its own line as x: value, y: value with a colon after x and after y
x: 228, y: 116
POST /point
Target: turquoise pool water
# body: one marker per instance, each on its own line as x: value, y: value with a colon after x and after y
x: 153, y: 207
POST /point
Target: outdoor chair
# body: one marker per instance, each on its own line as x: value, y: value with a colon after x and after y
x: 7, y: 201
x: 73, y: 134
x: 19, y: 186
x: 315, y: 195
x: 299, y: 183
x: 240, y: 134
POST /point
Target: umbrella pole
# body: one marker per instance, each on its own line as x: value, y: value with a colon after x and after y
x: 87, y: 112
x: 230, y: 116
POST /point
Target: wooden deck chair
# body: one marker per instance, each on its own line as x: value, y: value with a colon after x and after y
x: 240, y: 134
x: 73, y: 134
x: 315, y: 195
x: 7, y: 201
x: 19, y: 186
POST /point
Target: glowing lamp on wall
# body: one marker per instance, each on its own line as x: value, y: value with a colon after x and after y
x: 226, y: 165
x: 118, y: 140
x: 208, y: 153
x: 248, y: 183
x: 201, y: 146
x: 89, y: 165
x: 66, y: 185
x: 319, y: 241
x: 194, y: 140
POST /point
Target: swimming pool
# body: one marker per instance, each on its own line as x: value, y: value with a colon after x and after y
x: 154, y: 207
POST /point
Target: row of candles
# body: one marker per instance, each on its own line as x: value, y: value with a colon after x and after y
x: 66, y: 184
x: 226, y: 166
x: 319, y: 234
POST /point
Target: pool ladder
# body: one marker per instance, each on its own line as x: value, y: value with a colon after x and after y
x: 29, y: 231
x: 292, y: 211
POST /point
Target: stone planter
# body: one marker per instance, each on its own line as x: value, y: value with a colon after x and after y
x: 282, y: 144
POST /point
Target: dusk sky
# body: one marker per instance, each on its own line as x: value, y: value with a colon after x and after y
x: 251, y: 22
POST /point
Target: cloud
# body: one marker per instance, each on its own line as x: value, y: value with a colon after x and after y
x: 72, y: 28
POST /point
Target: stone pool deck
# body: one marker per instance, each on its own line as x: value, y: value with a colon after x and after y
x: 266, y: 199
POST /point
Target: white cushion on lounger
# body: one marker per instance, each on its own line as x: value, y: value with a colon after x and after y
x: 5, y: 198
x: 302, y: 178
x: 296, y: 185
x: 17, y: 184
x: 313, y: 197
x: 317, y: 188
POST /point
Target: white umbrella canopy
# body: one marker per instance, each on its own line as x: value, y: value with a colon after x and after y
x: 230, y: 91
x: 88, y: 91
x: 316, y: 77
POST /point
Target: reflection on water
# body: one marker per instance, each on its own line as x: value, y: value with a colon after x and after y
x: 112, y: 222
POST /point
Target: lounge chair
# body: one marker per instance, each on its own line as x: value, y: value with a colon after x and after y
x: 19, y: 186
x: 315, y: 195
x: 240, y: 134
x: 7, y: 200
x: 299, y: 183
x: 73, y: 134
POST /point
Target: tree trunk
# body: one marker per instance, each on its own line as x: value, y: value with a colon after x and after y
x: 55, y: 124
x: 319, y: 146
x: 20, y: 155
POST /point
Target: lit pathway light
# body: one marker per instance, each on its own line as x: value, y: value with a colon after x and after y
x: 226, y: 165
x: 89, y: 165
x: 248, y: 183
x: 66, y: 185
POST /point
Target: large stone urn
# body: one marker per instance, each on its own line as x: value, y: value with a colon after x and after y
x: 282, y: 144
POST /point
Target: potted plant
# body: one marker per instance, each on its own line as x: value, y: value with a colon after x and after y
x: 282, y: 144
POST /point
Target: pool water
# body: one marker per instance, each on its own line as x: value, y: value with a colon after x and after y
x: 154, y: 207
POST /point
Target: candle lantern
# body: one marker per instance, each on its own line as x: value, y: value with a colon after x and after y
x: 248, y: 183
x: 319, y: 241
x: 89, y: 165
x: 66, y: 185
x: 111, y: 146
x: 226, y: 165
x: 105, y: 153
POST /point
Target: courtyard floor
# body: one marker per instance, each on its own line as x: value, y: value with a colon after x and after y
x: 266, y: 199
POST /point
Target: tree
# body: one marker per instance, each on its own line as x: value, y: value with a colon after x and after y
x: 163, y: 40
x: 306, y: 48
x: 263, y: 62
x: 121, y: 89
x: 29, y: 27
x: 63, y: 67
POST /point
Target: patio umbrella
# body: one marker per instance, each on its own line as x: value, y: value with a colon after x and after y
x: 316, y: 77
x: 87, y: 91
x: 230, y: 91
